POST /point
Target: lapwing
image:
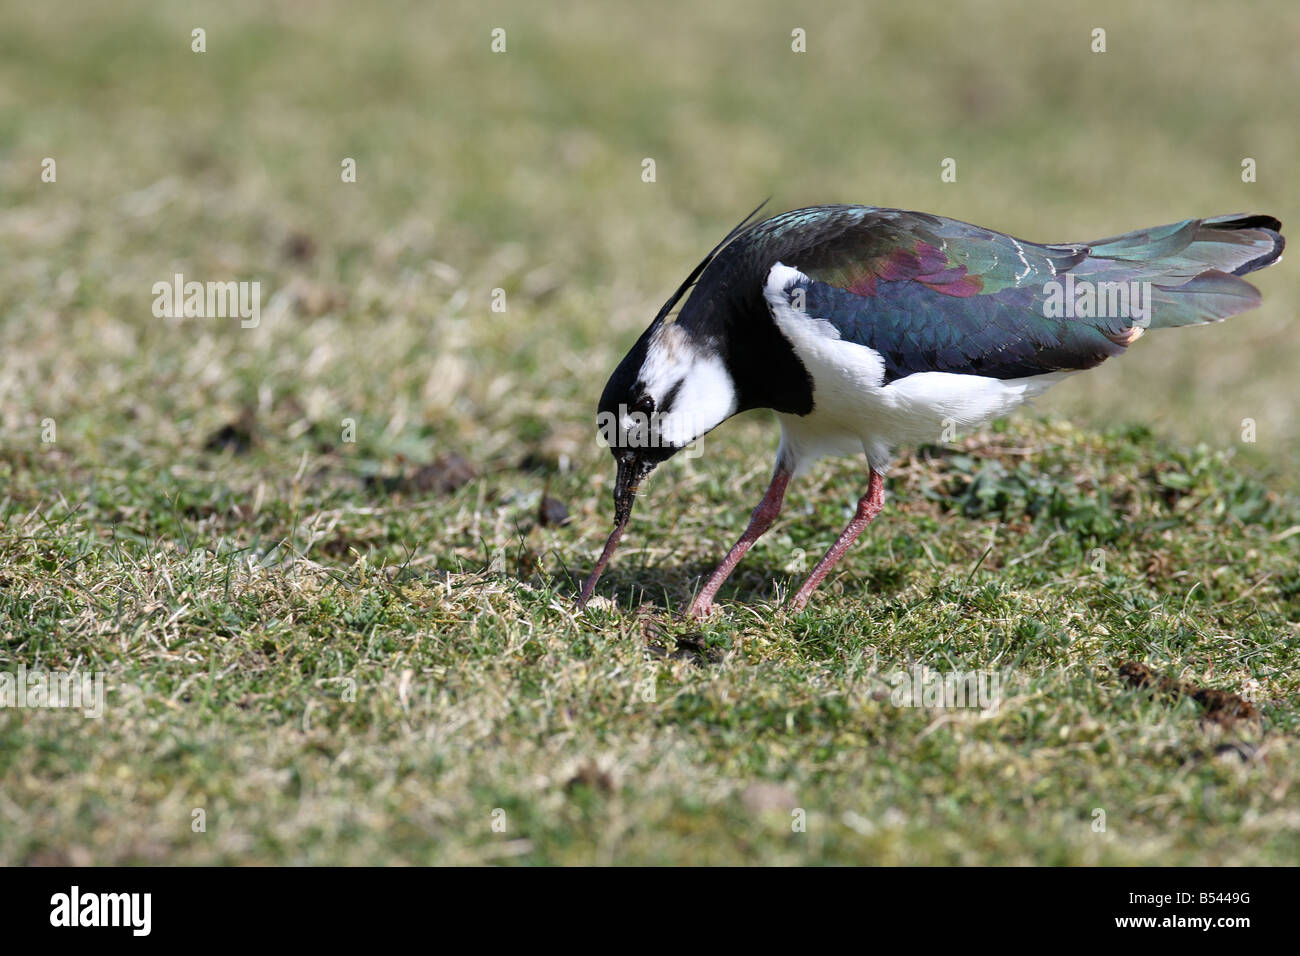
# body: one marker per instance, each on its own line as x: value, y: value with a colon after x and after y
x: 865, y: 329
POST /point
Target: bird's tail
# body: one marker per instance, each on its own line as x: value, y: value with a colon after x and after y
x: 1193, y: 267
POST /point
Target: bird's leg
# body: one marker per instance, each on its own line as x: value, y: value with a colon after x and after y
x: 869, y: 505
x: 759, y: 522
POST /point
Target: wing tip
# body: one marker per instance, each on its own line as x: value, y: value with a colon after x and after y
x: 1270, y: 226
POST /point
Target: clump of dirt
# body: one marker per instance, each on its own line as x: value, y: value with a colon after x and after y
x: 692, y: 647
x: 662, y: 642
x: 238, y: 436
x: 298, y: 247
x: 653, y: 631
x: 551, y: 513
x: 590, y: 777
x: 443, y: 475
x: 1159, y: 567
x: 536, y: 461
x: 1220, y: 706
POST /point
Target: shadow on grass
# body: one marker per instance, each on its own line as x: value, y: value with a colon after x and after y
x: 670, y: 587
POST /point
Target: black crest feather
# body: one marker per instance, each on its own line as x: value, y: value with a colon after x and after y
x: 704, y: 264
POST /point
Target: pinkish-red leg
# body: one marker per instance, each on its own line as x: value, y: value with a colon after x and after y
x: 759, y: 522
x: 869, y: 505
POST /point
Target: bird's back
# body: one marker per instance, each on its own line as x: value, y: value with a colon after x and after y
x: 935, y: 294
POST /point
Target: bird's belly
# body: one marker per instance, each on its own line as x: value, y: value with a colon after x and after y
x: 930, y: 406
x: 927, y: 407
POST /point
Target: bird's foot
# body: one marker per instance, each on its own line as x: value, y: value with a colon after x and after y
x: 699, y: 610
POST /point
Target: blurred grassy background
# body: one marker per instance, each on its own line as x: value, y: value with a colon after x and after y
x: 522, y: 171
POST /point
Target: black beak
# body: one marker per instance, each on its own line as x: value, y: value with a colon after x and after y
x: 631, y: 471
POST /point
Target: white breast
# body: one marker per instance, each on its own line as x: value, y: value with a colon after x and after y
x: 854, y: 411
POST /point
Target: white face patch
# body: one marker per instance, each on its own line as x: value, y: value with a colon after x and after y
x: 702, y: 392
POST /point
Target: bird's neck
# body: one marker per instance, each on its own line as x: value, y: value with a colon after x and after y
x: 760, y: 360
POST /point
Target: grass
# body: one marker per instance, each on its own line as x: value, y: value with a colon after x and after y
x: 340, y: 677
x: 357, y: 652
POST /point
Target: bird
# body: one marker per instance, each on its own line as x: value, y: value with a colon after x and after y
x: 866, y: 329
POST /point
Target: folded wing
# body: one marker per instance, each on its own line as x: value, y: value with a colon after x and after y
x: 934, y: 294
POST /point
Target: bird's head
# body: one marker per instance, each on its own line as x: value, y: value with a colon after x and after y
x: 668, y: 391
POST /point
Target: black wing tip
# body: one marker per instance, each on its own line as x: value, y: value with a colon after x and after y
x: 1246, y: 221
x: 1270, y: 225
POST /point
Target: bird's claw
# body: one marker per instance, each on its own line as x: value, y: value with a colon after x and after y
x: 700, y: 610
